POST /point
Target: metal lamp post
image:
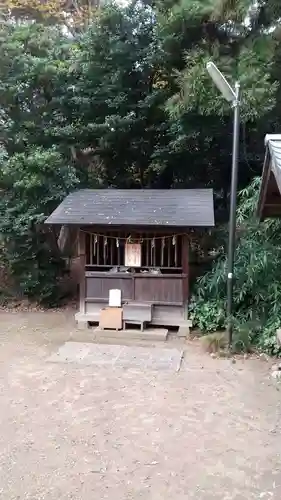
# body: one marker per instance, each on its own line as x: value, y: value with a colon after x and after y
x: 232, y: 96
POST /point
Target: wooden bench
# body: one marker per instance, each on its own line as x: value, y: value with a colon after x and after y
x: 137, y: 313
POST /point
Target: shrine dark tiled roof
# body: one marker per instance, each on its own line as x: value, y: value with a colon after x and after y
x: 136, y: 207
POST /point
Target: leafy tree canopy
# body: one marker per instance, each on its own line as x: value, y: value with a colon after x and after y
x: 74, y: 15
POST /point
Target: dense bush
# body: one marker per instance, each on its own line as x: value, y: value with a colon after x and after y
x: 34, y: 184
x: 257, y: 285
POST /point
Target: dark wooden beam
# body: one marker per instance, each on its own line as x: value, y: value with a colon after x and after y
x: 273, y: 205
x: 82, y: 259
x: 185, y: 268
x: 149, y: 230
x: 271, y: 211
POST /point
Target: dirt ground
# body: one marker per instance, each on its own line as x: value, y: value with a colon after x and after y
x: 209, y: 432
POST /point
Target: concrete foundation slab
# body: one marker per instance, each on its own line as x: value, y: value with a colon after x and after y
x: 151, y: 358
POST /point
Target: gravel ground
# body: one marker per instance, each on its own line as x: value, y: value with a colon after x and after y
x: 209, y: 432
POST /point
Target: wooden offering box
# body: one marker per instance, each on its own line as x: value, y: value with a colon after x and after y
x: 111, y: 318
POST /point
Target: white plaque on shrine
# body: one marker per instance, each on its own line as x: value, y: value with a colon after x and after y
x: 115, y: 298
x: 133, y: 255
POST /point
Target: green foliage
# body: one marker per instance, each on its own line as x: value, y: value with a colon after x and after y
x: 208, y: 316
x: 257, y: 288
x: 197, y: 92
x: 34, y: 184
x: 266, y: 336
x: 201, y: 121
x: 35, y: 169
x: 118, y: 104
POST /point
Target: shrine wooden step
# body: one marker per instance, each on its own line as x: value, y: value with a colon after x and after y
x: 152, y: 334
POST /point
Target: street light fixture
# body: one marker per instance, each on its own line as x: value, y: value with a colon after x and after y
x: 233, y: 97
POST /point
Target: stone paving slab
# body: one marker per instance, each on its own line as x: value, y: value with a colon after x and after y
x: 86, y: 354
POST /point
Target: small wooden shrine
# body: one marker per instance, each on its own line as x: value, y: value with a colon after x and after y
x: 135, y: 242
